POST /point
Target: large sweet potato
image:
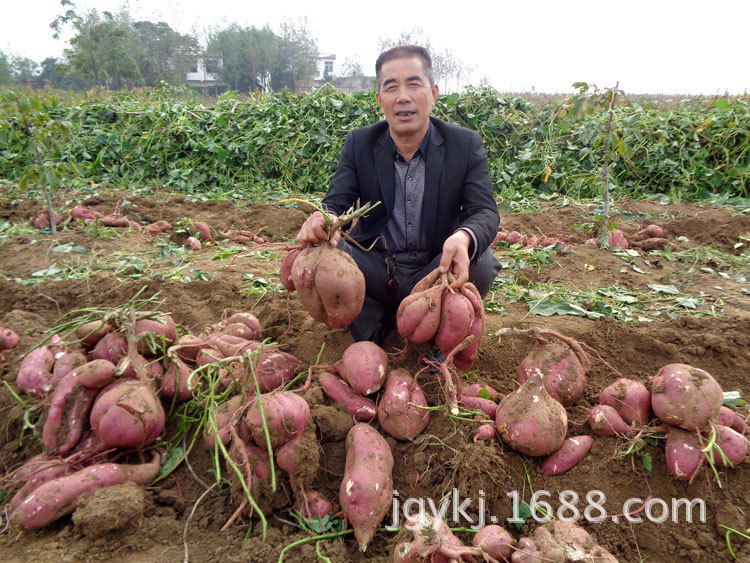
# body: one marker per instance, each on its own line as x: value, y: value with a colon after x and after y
x: 402, y: 410
x: 366, y: 489
x: 127, y: 414
x: 363, y: 366
x: 286, y: 414
x: 686, y: 396
x: 329, y: 284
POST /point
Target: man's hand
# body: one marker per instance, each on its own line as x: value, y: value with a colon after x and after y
x: 312, y: 231
x: 456, y: 257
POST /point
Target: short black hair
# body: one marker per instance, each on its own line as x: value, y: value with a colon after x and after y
x: 405, y: 52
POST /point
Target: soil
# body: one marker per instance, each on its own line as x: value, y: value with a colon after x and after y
x: 178, y: 520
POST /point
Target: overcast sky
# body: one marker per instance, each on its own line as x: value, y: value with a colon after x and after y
x: 649, y: 46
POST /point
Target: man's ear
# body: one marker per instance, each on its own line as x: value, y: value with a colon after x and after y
x: 435, y: 92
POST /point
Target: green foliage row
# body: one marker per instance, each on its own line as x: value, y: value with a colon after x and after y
x: 243, y: 146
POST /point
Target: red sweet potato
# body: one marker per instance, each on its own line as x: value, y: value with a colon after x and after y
x: 418, y: 315
x: 363, y: 366
x: 67, y: 363
x: 732, y: 444
x: 329, y: 284
x: 174, y: 382
x: 605, y: 421
x: 366, y: 489
x: 286, y: 415
x: 61, y: 496
x: 226, y: 415
x: 456, y: 319
x: 684, y: 453
x: 617, y: 238
x: 112, y: 347
x: 285, y: 272
x: 157, y: 228
x: 631, y: 399
x: 487, y: 406
x: 573, y: 450
x: 564, y: 375
x: 8, y: 339
x: 359, y: 406
x: 686, y: 396
x: 127, y: 414
x: 465, y: 358
x: 90, y: 333
x: 485, y: 432
x: 560, y: 541
x: 313, y: 505
x: 193, y: 243
x: 530, y: 420
x: 495, y: 541
x: 35, y: 373
x: 70, y: 403
x: 402, y: 411
x: 155, y: 334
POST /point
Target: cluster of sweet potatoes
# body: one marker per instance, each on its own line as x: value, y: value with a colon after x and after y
x: 433, y: 541
x: 687, y: 401
x: 100, y: 397
x: 651, y: 237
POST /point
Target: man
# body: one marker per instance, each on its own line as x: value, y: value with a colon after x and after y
x: 437, y: 206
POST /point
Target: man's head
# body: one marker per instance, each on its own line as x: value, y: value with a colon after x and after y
x: 404, y: 52
x: 406, y: 91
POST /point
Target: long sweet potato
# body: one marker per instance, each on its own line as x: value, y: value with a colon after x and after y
x: 360, y: 407
x: 366, y: 489
x: 61, y: 496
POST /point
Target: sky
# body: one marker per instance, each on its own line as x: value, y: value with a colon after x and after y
x: 648, y: 46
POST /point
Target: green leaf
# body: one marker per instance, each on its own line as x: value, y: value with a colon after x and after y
x: 722, y: 103
x: 670, y: 289
x: 687, y: 302
x: 647, y: 465
x: 174, y: 457
x: 53, y: 270
x: 483, y: 394
x: 524, y: 511
x: 69, y: 247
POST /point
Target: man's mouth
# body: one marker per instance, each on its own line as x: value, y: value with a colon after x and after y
x: 404, y: 113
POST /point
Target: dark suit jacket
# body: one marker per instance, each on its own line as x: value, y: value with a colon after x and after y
x: 457, y: 191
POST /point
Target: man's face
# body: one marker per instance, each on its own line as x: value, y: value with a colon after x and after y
x: 406, y: 97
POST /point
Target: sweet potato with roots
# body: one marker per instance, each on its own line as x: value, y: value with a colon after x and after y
x: 564, y: 374
x: 432, y: 541
x: 226, y: 414
x: 530, y: 420
x: 61, y: 496
x: 631, y: 399
x: 359, y: 406
x: 155, y: 334
x: 573, y: 450
x: 465, y: 358
x: 494, y: 541
x: 732, y: 444
x: 112, y: 347
x: 364, y: 366
x: 686, y: 396
x: 127, y: 414
x: 367, y: 487
x: 330, y: 285
x: 313, y: 504
x: 402, y: 410
x: 606, y: 421
x: 174, y: 382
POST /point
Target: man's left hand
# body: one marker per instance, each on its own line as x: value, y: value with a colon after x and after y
x: 456, y: 257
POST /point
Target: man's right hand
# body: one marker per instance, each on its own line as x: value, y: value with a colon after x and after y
x: 312, y: 231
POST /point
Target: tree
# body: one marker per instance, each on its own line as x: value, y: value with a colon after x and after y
x: 165, y: 55
x: 247, y: 56
x: 60, y: 75
x: 297, y: 56
x: 105, y: 48
x: 445, y: 66
x: 351, y: 67
x: 4, y: 70
x: 23, y: 70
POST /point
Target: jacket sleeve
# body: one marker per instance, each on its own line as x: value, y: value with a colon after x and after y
x: 478, y: 207
x: 344, y: 189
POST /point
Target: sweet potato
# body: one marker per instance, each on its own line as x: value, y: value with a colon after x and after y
x: 157, y: 228
x: 61, y: 496
x: 465, y: 358
x: 127, y: 414
x: 561, y: 542
x: 530, y: 420
x: 174, y: 382
x: 112, y: 347
x: 686, y: 396
x: 249, y: 320
x: 88, y: 334
x: 732, y: 444
x: 313, y: 505
x: 8, y: 339
x: 35, y: 373
x: 70, y: 403
x: 654, y: 243
x: 480, y: 390
x: 469, y: 398
x: 274, y: 368
x: 300, y: 459
x: 495, y: 541
x: 432, y: 541
x: 193, y: 243
x: 85, y: 213
x: 456, y: 319
x: 684, y: 453
x: 363, y: 366
x: 485, y: 432
x: 286, y: 415
x: 631, y: 399
x: 366, y: 489
x: 606, y: 421
x: 359, y: 406
x: 564, y: 374
x: 329, y: 284
x: 154, y: 369
x: 285, y: 273
x: 573, y: 450
x: 728, y: 417
x: 402, y: 411
x: 418, y: 315
x: 226, y: 415
x: 617, y: 238
x: 155, y: 334
x: 67, y: 363
x: 34, y: 473
x: 651, y: 231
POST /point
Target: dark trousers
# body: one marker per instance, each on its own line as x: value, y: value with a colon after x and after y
x: 378, y: 314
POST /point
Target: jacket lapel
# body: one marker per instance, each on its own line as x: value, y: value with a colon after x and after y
x: 433, y: 170
x: 385, y: 171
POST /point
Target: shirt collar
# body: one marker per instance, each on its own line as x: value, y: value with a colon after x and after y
x: 422, y: 146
